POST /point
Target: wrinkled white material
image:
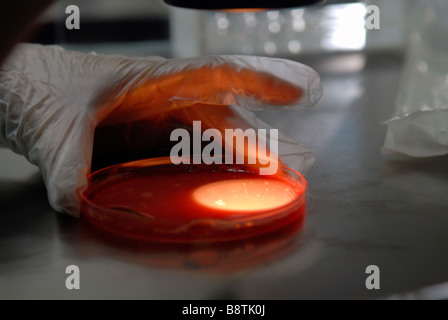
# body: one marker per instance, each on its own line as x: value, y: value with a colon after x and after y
x: 52, y: 100
x: 419, y: 126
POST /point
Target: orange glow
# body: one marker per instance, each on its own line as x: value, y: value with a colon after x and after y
x: 211, y: 85
x: 245, y: 195
x: 242, y: 10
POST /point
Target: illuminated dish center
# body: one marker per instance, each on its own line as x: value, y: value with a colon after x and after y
x: 245, y: 195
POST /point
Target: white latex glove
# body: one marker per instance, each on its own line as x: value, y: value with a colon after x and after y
x: 52, y: 101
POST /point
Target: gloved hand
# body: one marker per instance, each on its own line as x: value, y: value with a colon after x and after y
x: 52, y: 101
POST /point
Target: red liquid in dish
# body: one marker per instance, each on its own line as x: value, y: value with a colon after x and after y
x: 171, y: 203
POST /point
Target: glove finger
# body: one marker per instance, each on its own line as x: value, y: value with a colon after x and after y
x: 251, y: 82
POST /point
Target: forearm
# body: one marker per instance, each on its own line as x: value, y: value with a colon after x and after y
x: 15, y: 19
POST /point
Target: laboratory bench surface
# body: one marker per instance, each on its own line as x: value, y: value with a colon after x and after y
x: 364, y: 209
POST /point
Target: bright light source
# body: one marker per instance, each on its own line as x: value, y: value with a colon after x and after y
x: 245, y: 195
x: 345, y: 26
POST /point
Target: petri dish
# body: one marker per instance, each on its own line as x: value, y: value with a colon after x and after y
x: 156, y: 200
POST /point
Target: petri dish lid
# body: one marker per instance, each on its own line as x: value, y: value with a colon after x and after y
x: 156, y: 200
